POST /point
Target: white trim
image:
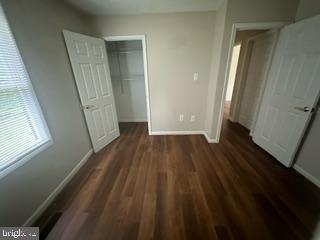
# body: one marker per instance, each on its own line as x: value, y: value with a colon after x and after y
x: 25, y: 159
x: 263, y: 34
x: 210, y: 140
x: 124, y: 38
x: 307, y: 175
x: 145, y: 67
x: 133, y: 120
x: 238, y: 27
x: 57, y: 190
x: 259, y: 25
x: 177, y: 133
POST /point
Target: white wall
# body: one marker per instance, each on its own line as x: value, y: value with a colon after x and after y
x: 307, y: 8
x: 131, y: 102
x: 214, y: 68
x: 232, y: 72
x: 127, y: 75
x: 308, y: 159
x: 177, y: 46
x: 37, y: 26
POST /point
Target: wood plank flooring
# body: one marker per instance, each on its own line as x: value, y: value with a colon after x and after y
x: 181, y: 187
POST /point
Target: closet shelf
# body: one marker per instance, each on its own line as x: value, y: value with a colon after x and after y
x: 128, y: 78
x: 126, y: 51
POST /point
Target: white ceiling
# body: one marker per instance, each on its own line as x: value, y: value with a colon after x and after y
x: 121, y: 7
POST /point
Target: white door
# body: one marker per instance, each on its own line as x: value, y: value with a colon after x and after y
x: 89, y: 62
x: 292, y: 90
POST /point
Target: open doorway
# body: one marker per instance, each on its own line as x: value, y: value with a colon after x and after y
x: 128, y: 70
x: 232, y: 77
x: 250, y: 61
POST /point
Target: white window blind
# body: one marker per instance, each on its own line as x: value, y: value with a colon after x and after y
x: 22, y: 126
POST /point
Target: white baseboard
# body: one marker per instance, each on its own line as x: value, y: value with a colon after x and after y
x: 210, y: 140
x: 307, y: 175
x: 56, y: 191
x: 176, y: 133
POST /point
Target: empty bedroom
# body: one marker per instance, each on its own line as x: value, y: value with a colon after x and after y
x: 163, y: 119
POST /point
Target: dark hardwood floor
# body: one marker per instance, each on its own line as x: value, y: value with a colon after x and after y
x: 181, y: 187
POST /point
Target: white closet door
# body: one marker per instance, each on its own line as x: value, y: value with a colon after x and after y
x: 89, y: 62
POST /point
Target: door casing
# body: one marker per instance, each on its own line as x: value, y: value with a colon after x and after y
x: 239, y: 27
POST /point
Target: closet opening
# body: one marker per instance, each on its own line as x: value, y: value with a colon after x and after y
x: 129, y: 76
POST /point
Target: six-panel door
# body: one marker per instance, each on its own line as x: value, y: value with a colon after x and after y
x: 292, y: 90
x: 91, y: 70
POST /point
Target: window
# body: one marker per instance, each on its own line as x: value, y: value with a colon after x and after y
x: 23, y: 130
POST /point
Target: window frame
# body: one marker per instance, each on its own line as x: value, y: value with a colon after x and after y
x: 23, y: 157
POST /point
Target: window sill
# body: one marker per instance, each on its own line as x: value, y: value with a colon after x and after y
x: 11, y: 167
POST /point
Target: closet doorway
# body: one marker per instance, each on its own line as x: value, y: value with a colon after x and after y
x: 127, y: 58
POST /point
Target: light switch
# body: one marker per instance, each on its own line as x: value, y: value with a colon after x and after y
x: 195, y: 76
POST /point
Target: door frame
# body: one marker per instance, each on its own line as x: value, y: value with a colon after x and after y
x: 240, y: 27
x: 145, y: 66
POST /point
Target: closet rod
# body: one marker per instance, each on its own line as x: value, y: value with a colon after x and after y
x: 118, y: 60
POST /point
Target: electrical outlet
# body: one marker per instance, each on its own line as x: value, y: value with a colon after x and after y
x: 192, y: 118
x: 181, y: 117
x: 195, y: 76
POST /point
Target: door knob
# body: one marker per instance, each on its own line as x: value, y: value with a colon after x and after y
x: 88, y: 107
x: 303, y: 109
